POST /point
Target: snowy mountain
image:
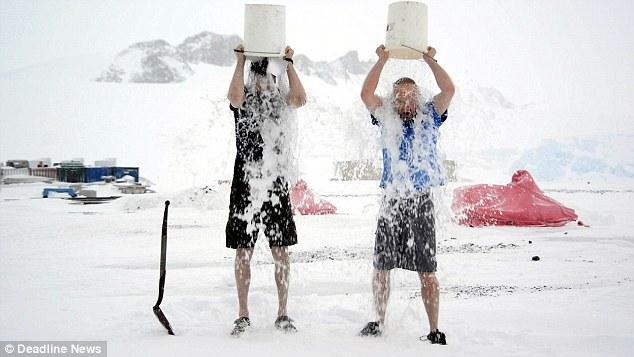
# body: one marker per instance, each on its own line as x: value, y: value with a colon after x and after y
x: 341, y: 68
x: 148, y: 62
x: 159, y: 62
x: 209, y: 48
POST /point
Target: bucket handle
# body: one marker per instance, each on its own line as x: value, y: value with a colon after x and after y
x: 417, y: 50
x: 412, y: 48
x: 266, y: 53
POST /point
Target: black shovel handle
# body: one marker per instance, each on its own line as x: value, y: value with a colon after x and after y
x: 157, y: 310
x: 163, y: 255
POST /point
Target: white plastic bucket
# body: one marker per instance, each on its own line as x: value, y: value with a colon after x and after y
x: 264, y: 30
x: 406, y: 33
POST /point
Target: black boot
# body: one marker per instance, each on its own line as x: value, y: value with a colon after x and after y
x: 436, y: 338
x: 371, y: 329
x: 241, y: 324
x: 284, y: 323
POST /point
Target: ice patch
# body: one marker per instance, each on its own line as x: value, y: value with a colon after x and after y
x: 607, y: 156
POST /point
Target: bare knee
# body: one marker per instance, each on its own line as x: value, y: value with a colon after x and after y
x: 428, y: 281
x: 381, y: 277
x: 280, y: 258
x: 280, y: 254
x: 243, y: 256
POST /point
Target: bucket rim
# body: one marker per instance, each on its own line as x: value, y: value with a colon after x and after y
x: 408, y: 1
x: 263, y: 5
x: 263, y: 54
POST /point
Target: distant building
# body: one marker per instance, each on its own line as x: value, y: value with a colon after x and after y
x: 108, y: 162
x: 18, y: 164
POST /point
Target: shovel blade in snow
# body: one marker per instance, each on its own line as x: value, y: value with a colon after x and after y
x: 162, y: 319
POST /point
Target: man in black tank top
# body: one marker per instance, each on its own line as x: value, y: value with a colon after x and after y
x: 253, y: 106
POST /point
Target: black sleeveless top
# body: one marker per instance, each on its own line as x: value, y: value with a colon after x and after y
x: 248, y: 122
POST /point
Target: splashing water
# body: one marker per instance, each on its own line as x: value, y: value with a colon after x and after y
x: 410, y: 152
x: 274, y: 167
x: 423, y: 76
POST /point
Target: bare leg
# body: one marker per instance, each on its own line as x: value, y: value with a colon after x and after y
x: 381, y: 290
x: 282, y: 272
x: 242, y: 269
x: 431, y: 298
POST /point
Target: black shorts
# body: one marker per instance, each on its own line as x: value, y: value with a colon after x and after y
x: 405, y: 234
x: 275, y: 215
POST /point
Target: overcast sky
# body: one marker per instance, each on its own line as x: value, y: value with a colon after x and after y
x: 580, y: 51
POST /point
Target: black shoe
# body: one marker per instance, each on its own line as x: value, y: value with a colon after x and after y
x: 241, y: 324
x: 285, y: 324
x: 371, y: 329
x: 436, y: 338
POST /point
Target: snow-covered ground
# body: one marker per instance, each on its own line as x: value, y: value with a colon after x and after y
x: 90, y: 272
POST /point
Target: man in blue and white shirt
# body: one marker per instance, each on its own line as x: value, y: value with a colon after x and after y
x: 405, y: 235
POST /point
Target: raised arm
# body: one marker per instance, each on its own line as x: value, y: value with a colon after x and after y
x: 296, y: 93
x: 236, y: 88
x: 368, y: 95
x: 447, y: 89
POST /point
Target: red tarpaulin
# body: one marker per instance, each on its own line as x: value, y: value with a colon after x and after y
x: 305, y: 202
x: 520, y: 203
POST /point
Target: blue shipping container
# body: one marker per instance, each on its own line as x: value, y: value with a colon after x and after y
x: 95, y: 174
